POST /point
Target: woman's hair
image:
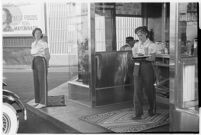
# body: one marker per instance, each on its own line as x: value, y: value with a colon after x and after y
x: 8, y: 15
x: 33, y: 32
x: 142, y: 29
x: 151, y: 35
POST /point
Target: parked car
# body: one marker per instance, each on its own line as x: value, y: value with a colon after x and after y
x: 11, y: 109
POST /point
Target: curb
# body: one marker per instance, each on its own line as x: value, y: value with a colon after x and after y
x: 29, y: 66
x: 20, y: 68
x: 52, y: 120
x: 17, y: 67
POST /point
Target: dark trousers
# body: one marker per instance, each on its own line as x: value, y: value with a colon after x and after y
x: 144, y: 79
x: 39, y: 66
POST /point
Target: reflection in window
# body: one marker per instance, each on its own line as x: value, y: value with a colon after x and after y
x: 104, y: 27
x: 188, y: 33
x: 125, y: 27
x: 188, y: 22
x: 100, y: 33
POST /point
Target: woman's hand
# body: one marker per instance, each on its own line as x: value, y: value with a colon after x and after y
x: 152, y: 57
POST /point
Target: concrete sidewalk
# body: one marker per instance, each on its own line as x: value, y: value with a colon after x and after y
x: 67, y: 117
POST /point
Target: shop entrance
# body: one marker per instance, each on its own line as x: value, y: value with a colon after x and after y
x: 102, y: 67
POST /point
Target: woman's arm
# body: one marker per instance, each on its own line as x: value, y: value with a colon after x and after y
x: 152, y: 57
x: 152, y: 50
x: 47, y: 55
x: 46, y: 51
x: 134, y: 50
x: 33, y: 51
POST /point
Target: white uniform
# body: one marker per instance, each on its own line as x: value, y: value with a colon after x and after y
x: 139, y: 48
x: 144, y: 77
x: 38, y: 48
x: 39, y: 66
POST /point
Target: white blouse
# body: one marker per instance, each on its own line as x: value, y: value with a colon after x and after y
x: 38, y: 48
x: 140, y: 47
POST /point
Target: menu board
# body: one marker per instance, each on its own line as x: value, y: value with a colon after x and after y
x: 129, y: 9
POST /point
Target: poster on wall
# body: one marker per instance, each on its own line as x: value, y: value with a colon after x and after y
x: 20, y: 19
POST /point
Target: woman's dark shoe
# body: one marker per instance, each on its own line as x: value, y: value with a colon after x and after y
x: 151, y: 113
x: 137, y: 117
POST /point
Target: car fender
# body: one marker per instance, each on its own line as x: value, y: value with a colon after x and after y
x: 12, y: 98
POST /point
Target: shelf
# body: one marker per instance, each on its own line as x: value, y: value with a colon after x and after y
x: 162, y: 56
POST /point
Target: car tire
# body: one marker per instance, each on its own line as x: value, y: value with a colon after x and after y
x: 10, y: 120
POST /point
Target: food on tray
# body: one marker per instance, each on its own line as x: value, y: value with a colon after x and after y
x: 140, y: 54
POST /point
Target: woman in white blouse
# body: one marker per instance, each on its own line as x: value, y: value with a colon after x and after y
x: 40, y: 63
x: 143, y: 72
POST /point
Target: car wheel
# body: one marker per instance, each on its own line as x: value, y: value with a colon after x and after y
x: 10, y: 121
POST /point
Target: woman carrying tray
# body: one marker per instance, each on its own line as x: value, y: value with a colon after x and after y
x: 144, y: 55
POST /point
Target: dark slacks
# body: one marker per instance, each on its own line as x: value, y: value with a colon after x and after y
x: 144, y: 79
x: 40, y: 70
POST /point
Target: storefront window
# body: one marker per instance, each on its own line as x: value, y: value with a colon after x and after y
x: 82, y: 42
x: 104, y: 27
x: 128, y: 18
x: 114, y: 22
x: 188, y: 33
x: 188, y: 29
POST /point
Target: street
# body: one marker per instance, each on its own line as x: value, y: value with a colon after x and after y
x: 21, y: 82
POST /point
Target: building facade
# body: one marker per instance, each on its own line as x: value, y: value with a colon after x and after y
x: 89, y: 36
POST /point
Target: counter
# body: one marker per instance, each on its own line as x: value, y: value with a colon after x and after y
x: 162, y: 60
x: 161, y: 68
x: 113, y: 80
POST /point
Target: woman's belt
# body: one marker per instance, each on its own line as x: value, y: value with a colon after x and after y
x: 39, y: 57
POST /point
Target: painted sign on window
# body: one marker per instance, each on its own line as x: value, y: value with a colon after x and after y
x: 21, y: 18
